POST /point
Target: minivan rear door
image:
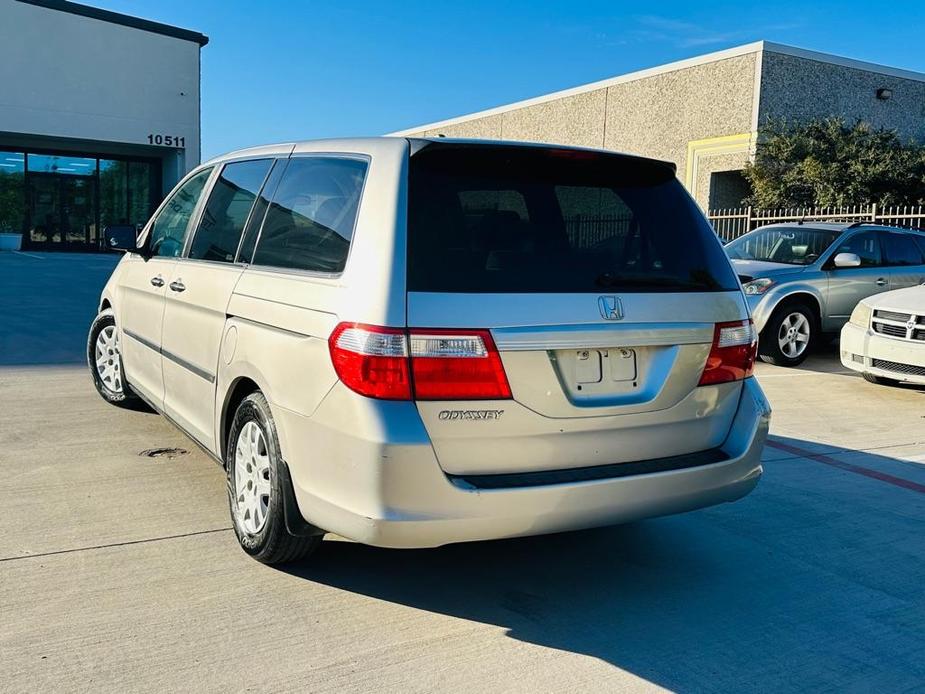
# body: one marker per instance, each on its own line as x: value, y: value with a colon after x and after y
x: 601, y: 284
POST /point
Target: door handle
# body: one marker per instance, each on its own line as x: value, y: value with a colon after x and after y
x: 177, y: 286
x: 881, y: 282
x: 157, y: 281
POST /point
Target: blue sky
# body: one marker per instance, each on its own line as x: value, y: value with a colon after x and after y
x: 302, y: 69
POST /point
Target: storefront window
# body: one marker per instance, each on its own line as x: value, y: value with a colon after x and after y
x: 12, y: 192
x: 113, y: 192
x: 62, y: 164
x: 140, y: 186
x: 64, y: 202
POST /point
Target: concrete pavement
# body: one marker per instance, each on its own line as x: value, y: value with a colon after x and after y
x: 118, y: 572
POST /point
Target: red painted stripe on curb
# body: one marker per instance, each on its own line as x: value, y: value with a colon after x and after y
x: 849, y: 467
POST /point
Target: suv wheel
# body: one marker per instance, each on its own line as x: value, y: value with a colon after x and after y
x: 880, y: 380
x: 256, y: 489
x: 788, y: 336
x: 105, y: 361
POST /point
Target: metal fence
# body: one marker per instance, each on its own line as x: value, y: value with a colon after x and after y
x: 732, y: 223
x: 586, y: 231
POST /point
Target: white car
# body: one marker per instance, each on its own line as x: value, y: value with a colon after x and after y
x: 885, y: 338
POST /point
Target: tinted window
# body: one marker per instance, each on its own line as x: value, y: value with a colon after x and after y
x: 900, y: 249
x: 246, y: 252
x: 920, y: 241
x: 310, y: 222
x: 227, y: 210
x: 518, y: 219
x: 169, y: 230
x: 866, y: 245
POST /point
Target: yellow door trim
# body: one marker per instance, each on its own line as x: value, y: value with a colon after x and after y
x: 711, y: 146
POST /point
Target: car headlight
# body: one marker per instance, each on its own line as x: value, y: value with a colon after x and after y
x: 759, y: 286
x: 860, y: 316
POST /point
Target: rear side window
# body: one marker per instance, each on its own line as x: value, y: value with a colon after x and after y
x: 901, y: 249
x: 524, y: 219
x: 920, y: 241
x: 310, y: 221
x: 227, y: 210
x: 261, y: 205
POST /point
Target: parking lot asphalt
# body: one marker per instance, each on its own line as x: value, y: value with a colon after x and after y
x: 118, y: 571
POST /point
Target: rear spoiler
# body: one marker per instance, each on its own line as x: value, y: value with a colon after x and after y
x: 417, y: 144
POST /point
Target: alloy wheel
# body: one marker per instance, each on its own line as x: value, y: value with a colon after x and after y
x: 793, y: 336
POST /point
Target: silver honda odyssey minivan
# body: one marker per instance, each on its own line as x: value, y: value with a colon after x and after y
x: 413, y: 342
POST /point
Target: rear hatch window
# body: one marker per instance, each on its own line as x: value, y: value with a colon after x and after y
x: 503, y: 219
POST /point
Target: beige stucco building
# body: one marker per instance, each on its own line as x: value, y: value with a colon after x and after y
x: 703, y: 113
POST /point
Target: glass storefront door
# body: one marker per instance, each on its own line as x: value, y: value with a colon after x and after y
x: 64, y: 202
x: 78, y: 211
x: 44, y: 210
x: 62, y: 211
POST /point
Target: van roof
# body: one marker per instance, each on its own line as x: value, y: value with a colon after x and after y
x: 361, y: 144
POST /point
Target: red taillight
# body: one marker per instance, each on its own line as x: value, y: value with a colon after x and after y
x: 371, y: 360
x: 439, y: 365
x: 457, y: 365
x: 732, y: 357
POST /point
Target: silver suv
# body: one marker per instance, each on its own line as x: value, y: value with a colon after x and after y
x: 801, y: 280
x: 413, y: 342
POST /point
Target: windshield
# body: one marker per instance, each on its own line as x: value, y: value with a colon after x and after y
x: 496, y: 219
x: 790, y: 245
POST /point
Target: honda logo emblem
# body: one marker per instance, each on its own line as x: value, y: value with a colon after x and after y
x: 611, y: 307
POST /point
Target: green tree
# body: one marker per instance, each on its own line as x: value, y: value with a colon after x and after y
x: 826, y: 162
x: 12, y: 211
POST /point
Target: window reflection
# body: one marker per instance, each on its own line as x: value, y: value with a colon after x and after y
x: 64, y: 201
x: 141, y: 179
x: 12, y: 192
x: 62, y: 164
x: 113, y: 192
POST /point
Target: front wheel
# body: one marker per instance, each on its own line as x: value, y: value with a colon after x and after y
x: 786, y: 339
x: 880, y: 380
x: 256, y: 487
x: 104, y: 358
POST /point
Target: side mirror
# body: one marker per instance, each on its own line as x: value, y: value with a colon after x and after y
x: 847, y: 260
x: 121, y: 237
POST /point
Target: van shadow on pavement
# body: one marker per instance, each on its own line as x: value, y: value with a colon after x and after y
x: 47, y: 303
x: 812, y: 582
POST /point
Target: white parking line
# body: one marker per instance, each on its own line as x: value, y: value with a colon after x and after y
x: 845, y: 372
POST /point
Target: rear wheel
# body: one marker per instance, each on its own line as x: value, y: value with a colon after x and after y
x: 880, y: 380
x: 104, y: 358
x: 788, y: 336
x: 256, y: 493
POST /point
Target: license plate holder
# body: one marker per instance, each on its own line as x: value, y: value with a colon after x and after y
x: 622, y: 363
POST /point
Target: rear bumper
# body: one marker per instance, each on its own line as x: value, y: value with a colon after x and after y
x: 373, y: 477
x: 901, y: 356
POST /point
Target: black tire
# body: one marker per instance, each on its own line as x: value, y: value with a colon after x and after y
x: 880, y: 380
x: 119, y: 392
x: 769, y: 349
x: 272, y: 543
